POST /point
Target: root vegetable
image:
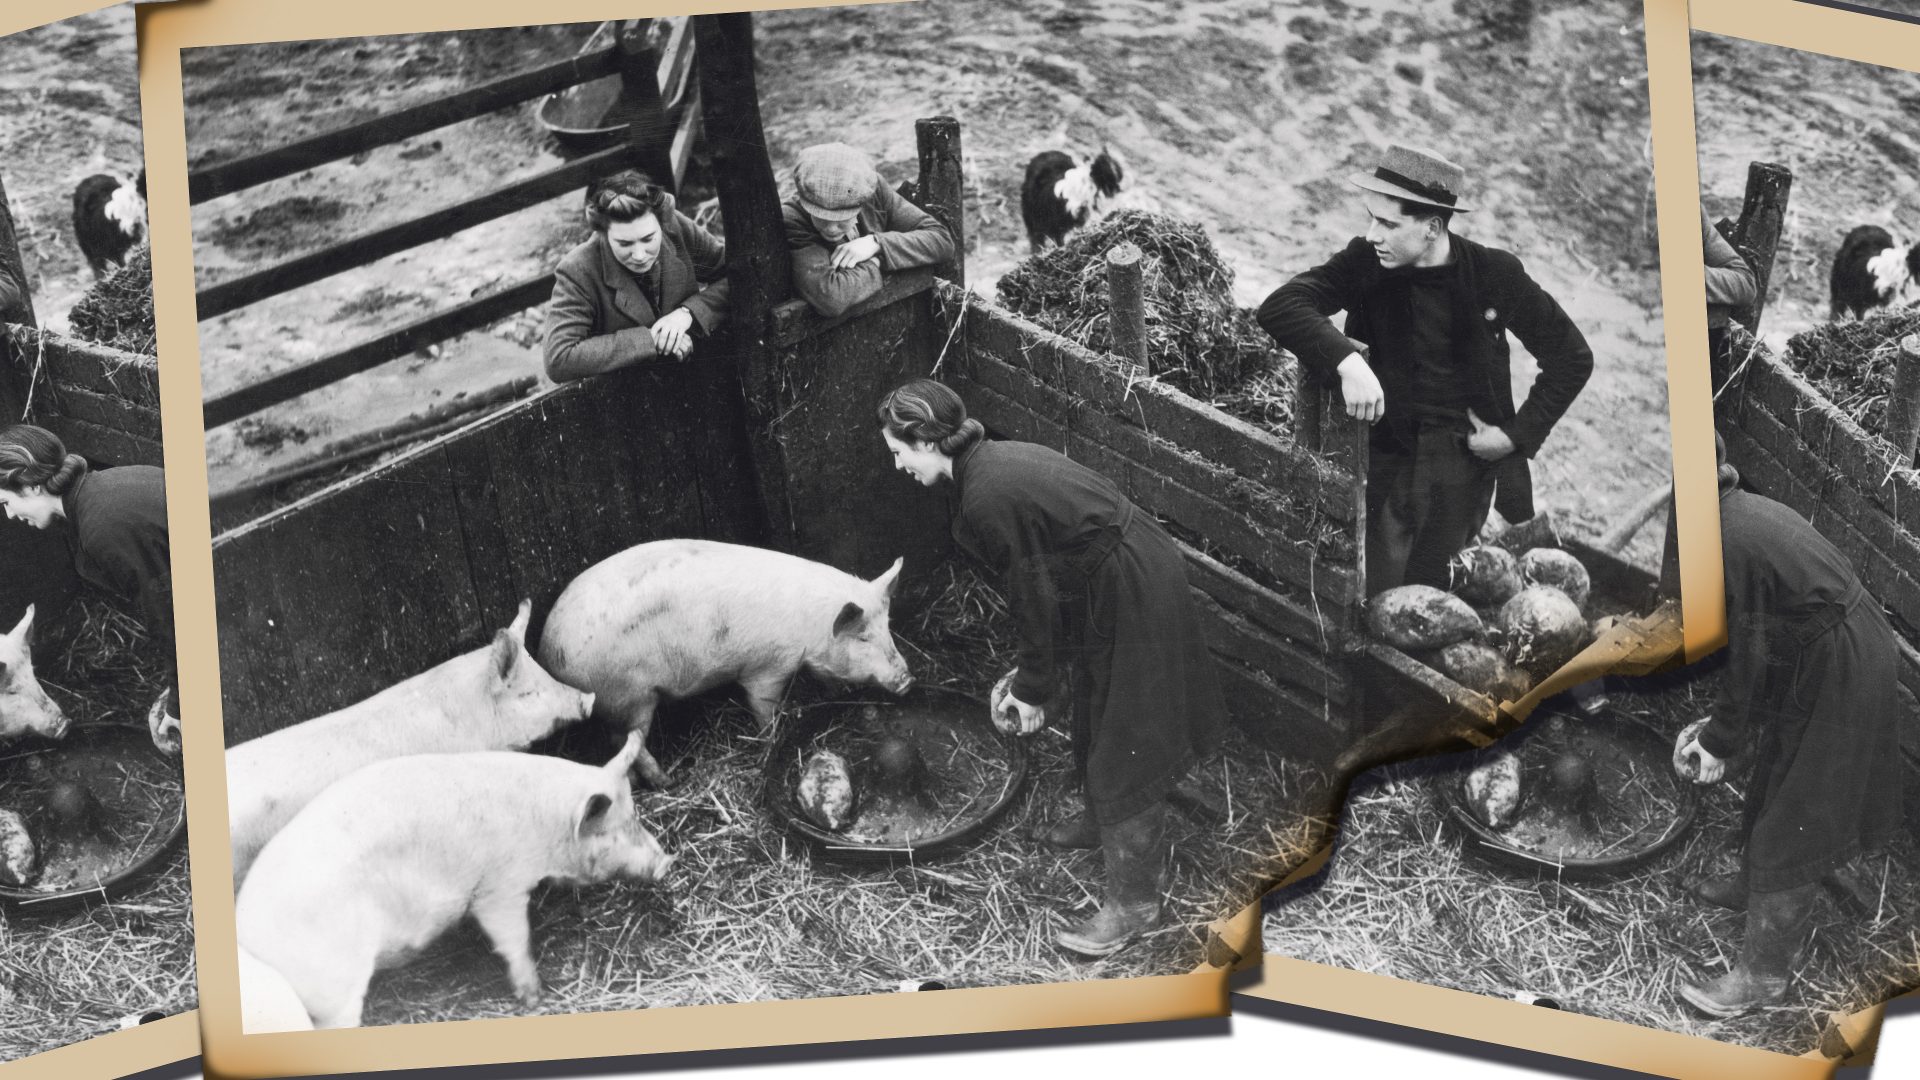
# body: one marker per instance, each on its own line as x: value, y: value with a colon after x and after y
x: 1559, y: 570
x: 1417, y: 617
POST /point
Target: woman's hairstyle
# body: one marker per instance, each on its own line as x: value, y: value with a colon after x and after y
x: 627, y: 195
x: 928, y: 411
x: 33, y: 455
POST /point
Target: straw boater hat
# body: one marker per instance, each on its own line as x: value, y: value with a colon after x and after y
x: 833, y: 180
x: 1416, y: 175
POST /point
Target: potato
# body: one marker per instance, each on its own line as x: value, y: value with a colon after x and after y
x: 1543, y: 629
x: 1416, y: 617
x: 19, y: 859
x: 1493, y: 790
x: 1484, y: 575
x: 826, y: 791
x: 1556, y: 568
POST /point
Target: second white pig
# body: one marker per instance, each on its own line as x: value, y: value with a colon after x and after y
x: 674, y: 618
x: 493, y: 698
x: 386, y: 860
x: 25, y: 708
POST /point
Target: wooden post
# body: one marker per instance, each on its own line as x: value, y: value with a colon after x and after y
x: 1763, y: 215
x: 1307, y: 403
x: 942, y: 186
x: 1903, y: 406
x: 16, y: 306
x: 1126, y: 309
x: 759, y: 270
x: 648, y: 133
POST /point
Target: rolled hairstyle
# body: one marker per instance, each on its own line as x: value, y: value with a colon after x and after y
x: 928, y: 411
x: 32, y: 456
x: 627, y: 195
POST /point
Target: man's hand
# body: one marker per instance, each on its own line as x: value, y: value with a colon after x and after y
x: 1693, y: 761
x: 1022, y: 718
x: 1488, y: 443
x: 672, y: 333
x: 855, y: 251
x: 1361, y: 390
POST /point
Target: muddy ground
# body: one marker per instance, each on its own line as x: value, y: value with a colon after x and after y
x: 1852, y: 141
x: 69, y: 108
x: 1241, y: 115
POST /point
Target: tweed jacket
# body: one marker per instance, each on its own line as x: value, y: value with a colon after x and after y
x: 600, y: 317
x: 908, y: 237
x: 1492, y: 294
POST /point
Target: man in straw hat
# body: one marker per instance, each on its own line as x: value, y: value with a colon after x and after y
x: 1810, y: 696
x: 1425, y: 350
x: 847, y: 229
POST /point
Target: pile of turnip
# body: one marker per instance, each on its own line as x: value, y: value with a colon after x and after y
x: 1505, y: 622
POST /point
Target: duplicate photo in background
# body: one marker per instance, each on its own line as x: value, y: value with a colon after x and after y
x: 568, y: 389
x: 1724, y: 851
x: 95, y: 927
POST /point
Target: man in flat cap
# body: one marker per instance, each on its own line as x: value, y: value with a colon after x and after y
x: 847, y: 229
x: 1425, y: 350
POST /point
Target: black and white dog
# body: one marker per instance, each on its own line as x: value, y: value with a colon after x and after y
x: 109, y: 218
x: 1059, y: 196
x: 1872, y: 271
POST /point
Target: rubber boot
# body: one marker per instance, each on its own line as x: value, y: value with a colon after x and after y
x: 1200, y: 804
x: 1722, y: 890
x: 1855, y: 893
x: 1136, y: 856
x: 1075, y: 831
x: 1777, y: 928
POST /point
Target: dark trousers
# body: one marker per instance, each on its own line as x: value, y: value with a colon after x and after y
x: 1423, y: 507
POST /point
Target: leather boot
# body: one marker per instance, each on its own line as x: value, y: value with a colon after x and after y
x: 1777, y: 925
x: 1073, y: 832
x: 1855, y: 893
x: 1136, y: 856
x: 1722, y: 890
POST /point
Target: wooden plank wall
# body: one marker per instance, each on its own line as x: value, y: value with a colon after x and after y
x: 386, y: 574
x: 1790, y: 443
x: 1284, y: 514
x: 103, y: 403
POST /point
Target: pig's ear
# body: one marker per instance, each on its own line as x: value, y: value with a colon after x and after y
x: 591, y: 814
x: 23, y: 627
x: 850, y: 618
x: 622, y: 761
x: 518, y: 627
x: 506, y: 653
x: 888, y: 580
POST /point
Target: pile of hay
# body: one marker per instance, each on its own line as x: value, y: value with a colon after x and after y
x: 1197, y: 338
x: 1406, y: 898
x: 750, y: 915
x: 118, y: 310
x: 71, y: 975
x: 1852, y: 362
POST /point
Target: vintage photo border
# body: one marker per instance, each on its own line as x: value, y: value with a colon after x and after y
x: 164, y: 33
x: 177, y: 1037
x: 1669, y: 24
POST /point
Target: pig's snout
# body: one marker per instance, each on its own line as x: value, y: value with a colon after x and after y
x: 900, y: 684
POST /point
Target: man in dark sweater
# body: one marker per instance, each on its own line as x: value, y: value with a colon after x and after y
x: 1425, y: 350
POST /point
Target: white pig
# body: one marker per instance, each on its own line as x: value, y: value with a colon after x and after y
x: 267, y: 1000
x: 381, y: 863
x: 25, y: 709
x: 675, y: 618
x: 493, y: 698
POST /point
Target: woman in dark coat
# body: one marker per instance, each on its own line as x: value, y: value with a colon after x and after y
x: 1810, y: 692
x: 1091, y: 580
x: 645, y: 285
x: 117, y: 528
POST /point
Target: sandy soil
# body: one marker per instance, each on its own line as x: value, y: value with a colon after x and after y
x: 69, y: 108
x: 1239, y: 114
x: 1852, y: 142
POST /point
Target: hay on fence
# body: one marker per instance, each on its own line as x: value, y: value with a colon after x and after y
x: 1405, y: 897
x: 118, y: 310
x: 750, y: 915
x: 1852, y: 362
x: 1197, y: 338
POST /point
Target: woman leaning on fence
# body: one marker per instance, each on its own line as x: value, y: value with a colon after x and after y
x: 645, y: 285
x: 1093, y: 582
x: 117, y: 529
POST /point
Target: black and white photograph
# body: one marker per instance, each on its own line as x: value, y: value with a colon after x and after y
x: 1726, y: 850
x: 874, y: 499
x: 95, y: 926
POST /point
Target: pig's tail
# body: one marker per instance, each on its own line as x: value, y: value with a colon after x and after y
x: 31, y: 456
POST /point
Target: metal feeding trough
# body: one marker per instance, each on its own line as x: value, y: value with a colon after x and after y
x: 1596, y: 795
x: 589, y: 116
x: 915, y: 775
x: 102, y: 807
